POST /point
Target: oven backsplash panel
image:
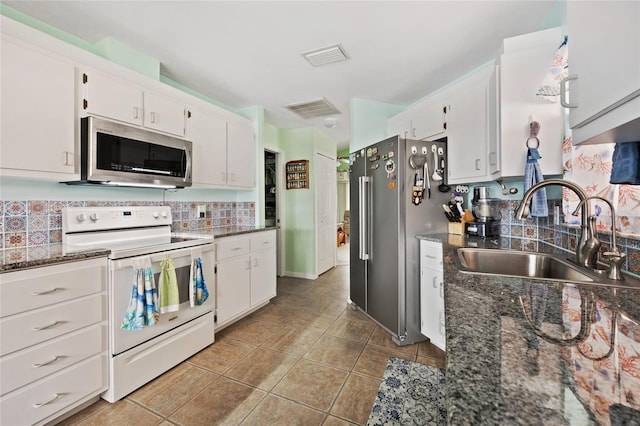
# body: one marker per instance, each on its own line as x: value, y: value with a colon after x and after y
x: 37, y: 224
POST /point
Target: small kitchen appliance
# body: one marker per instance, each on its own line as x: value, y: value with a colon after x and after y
x: 486, y: 213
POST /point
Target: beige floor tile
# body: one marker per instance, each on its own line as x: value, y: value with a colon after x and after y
x: 380, y: 337
x: 429, y: 350
x: 373, y: 360
x: 252, y: 332
x: 279, y: 411
x: 334, y: 421
x: 312, y: 384
x: 317, y: 322
x: 354, y: 314
x: 262, y: 368
x: 293, y: 340
x: 117, y: 414
x: 173, y: 389
x: 272, y: 313
x: 356, y: 398
x: 351, y: 329
x: 223, y: 354
x: 335, y: 351
x: 223, y: 402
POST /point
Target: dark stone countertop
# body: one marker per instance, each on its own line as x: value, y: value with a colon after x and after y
x: 499, y: 371
x: 52, y: 254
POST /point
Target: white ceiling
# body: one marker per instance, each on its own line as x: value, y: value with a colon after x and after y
x: 249, y: 53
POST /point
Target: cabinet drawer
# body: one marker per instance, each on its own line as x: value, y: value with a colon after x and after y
x: 232, y: 246
x: 26, y: 366
x: 35, y: 288
x: 22, y: 330
x: 431, y: 254
x: 52, y: 395
x: 263, y: 240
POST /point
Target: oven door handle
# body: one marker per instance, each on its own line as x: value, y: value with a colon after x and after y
x: 159, y: 257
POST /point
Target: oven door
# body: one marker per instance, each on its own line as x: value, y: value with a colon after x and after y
x: 121, y: 282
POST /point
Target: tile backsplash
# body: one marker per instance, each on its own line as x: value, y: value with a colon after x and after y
x: 38, y: 223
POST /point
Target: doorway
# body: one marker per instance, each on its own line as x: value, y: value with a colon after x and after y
x: 273, y: 178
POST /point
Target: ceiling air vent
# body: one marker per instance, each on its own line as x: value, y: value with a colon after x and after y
x: 326, y: 55
x: 314, y: 108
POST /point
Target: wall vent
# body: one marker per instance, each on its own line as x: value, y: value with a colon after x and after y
x: 314, y: 108
x: 327, y: 55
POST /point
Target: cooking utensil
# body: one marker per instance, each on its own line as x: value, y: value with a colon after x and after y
x: 435, y: 175
x: 426, y: 174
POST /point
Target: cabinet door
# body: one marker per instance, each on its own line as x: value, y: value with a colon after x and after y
x: 164, y: 114
x: 263, y: 276
x: 208, y: 133
x: 241, y: 154
x: 400, y: 124
x: 432, y: 306
x: 38, y: 116
x: 428, y: 120
x: 112, y: 98
x: 604, y: 54
x: 467, y: 127
x: 233, y: 288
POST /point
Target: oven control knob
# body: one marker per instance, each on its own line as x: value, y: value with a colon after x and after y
x: 155, y: 215
x: 163, y: 213
x: 81, y: 217
x: 94, y: 217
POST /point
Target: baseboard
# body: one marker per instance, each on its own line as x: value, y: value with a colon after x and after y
x: 300, y: 275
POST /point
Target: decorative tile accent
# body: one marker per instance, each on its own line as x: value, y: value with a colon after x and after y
x: 37, y: 238
x: 15, y: 223
x: 15, y: 208
x: 37, y: 223
x: 15, y: 239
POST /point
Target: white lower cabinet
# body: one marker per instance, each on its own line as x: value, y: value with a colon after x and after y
x: 246, y: 277
x: 432, y: 318
x: 53, y: 340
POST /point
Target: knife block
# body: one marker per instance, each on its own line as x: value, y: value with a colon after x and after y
x: 457, y: 228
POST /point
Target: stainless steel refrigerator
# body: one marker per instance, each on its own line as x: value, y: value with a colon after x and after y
x: 397, y: 188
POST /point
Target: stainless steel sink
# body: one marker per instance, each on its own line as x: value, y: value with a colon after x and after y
x: 519, y: 264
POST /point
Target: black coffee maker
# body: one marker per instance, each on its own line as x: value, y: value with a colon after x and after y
x: 486, y: 212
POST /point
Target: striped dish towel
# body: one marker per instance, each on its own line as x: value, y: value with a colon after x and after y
x: 533, y: 175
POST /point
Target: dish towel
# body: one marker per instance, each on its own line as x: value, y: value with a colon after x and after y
x: 169, y: 294
x: 198, y: 292
x: 559, y: 69
x: 143, y: 304
x: 626, y: 163
x: 533, y: 175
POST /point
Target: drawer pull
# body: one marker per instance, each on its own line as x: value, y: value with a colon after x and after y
x: 44, y: 327
x: 429, y: 256
x: 40, y: 404
x: 173, y: 318
x: 42, y: 364
x: 41, y: 293
x: 236, y: 248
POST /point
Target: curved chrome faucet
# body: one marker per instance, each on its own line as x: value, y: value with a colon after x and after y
x: 613, y: 257
x: 588, y: 244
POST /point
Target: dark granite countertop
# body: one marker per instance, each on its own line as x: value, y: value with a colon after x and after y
x: 501, y: 371
x: 47, y: 256
x: 52, y: 254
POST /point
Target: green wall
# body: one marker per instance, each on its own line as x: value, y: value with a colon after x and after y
x: 369, y: 122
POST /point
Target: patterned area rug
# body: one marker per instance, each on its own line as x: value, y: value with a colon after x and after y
x: 409, y: 394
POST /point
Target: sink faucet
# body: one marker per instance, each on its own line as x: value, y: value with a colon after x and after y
x: 588, y: 244
x: 614, y: 258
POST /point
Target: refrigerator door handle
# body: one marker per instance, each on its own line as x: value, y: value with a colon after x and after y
x: 363, y: 215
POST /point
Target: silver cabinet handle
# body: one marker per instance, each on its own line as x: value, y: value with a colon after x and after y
x: 153, y: 117
x: 40, y: 404
x: 435, y: 285
x: 477, y: 164
x: 42, y: 293
x: 44, y: 327
x: 42, y: 364
x: 564, y: 86
x: 136, y: 112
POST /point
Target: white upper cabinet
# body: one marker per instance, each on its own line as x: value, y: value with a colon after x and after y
x: 604, y: 58
x: 224, y: 149
x: 424, y: 120
x: 117, y: 99
x: 467, y: 128
x: 37, y: 134
x: 208, y: 132
x: 241, y: 154
x: 519, y: 72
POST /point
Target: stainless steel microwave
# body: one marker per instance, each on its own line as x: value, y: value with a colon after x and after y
x: 116, y: 154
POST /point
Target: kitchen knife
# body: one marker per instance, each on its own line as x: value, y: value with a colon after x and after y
x: 449, y: 213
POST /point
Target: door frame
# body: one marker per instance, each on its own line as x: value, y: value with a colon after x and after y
x: 280, y: 185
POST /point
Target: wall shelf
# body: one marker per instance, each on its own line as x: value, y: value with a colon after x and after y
x: 298, y: 174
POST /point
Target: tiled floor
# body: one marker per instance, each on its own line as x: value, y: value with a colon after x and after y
x: 304, y: 359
